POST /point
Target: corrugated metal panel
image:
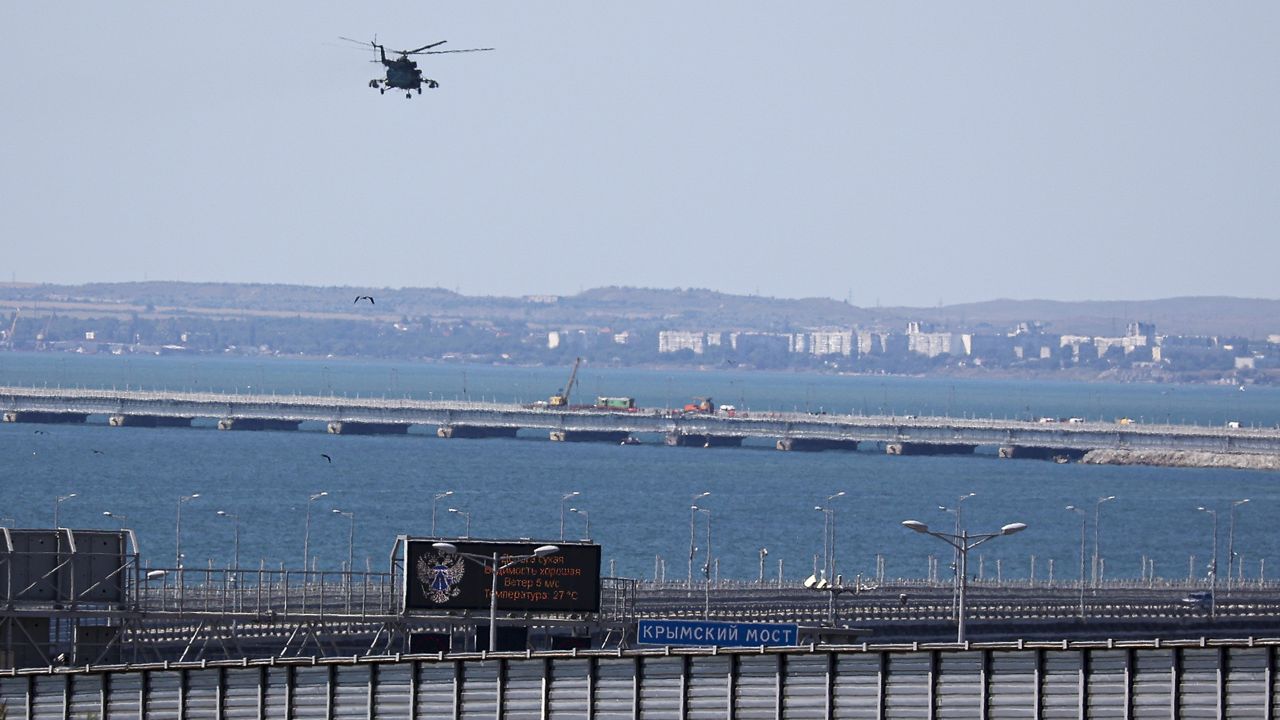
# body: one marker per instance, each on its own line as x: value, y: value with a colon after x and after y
x: 1060, y: 685
x: 124, y: 695
x: 163, y: 695
x: 568, y: 695
x: 1198, y: 684
x: 522, y: 690
x: 804, y: 687
x: 959, y: 686
x: 310, y: 693
x: 1152, y: 683
x: 708, y: 688
x: 86, y: 696
x: 278, y: 688
x: 1106, y: 684
x: 240, y: 696
x: 48, y: 701
x: 202, y: 695
x: 755, y: 694
x: 857, y: 686
x: 13, y: 696
x: 351, y: 692
x: 435, y: 690
x: 392, y: 691
x: 480, y: 690
x: 660, y: 687
x: 1246, y: 682
x: 1011, y: 686
x: 615, y: 689
x: 906, y: 689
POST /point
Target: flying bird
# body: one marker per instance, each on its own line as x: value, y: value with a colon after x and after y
x: 41, y: 432
x: 364, y: 297
x: 98, y: 452
x: 326, y: 457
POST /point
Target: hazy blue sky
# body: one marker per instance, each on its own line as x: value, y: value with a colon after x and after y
x: 899, y: 152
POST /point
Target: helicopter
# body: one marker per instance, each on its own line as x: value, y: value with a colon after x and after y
x: 402, y: 72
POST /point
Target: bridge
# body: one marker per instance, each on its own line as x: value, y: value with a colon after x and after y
x: 899, y: 435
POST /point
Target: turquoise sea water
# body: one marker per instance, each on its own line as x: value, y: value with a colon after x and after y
x: 637, y: 498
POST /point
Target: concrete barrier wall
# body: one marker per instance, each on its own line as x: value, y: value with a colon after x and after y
x: 1234, y: 679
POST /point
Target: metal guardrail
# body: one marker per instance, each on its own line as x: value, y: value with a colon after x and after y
x: 997, y: 681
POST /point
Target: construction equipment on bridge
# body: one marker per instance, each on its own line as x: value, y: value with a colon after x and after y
x: 701, y: 405
x: 561, y: 398
x: 616, y: 403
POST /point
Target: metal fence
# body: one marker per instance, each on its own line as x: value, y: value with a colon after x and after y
x: 1191, y: 679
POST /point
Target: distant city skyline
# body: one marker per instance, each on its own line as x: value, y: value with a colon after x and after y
x: 891, y: 154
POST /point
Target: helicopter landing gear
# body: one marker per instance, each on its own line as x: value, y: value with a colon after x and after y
x: 408, y: 96
x: 382, y: 91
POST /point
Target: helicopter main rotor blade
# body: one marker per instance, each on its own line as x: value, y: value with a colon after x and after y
x: 424, y: 47
x: 446, y: 52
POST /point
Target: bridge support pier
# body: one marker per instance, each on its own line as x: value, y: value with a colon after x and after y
x: 815, y: 444
x: 475, y: 431
x: 701, y: 440
x: 609, y: 436
x: 43, y: 417
x: 1031, y: 452
x: 340, y: 427
x: 257, y: 424
x: 913, y: 448
x: 148, y: 421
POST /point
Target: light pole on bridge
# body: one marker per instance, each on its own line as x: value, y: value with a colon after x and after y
x: 964, y: 542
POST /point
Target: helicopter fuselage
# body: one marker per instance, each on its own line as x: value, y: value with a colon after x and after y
x: 403, y: 74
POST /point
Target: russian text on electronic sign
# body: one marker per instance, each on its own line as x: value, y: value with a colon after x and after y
x: 565, y: 581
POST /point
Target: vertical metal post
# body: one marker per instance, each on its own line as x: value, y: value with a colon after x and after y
x: 493, y: 608
x: 964, y: 582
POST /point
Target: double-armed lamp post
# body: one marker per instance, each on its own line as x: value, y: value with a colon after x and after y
x: 963, y: 542
x: 496, y: 566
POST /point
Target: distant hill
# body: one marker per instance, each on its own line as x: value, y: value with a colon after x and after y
x: 674, y: 308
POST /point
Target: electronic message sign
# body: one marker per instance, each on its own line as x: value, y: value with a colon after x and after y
x: 566, y: 581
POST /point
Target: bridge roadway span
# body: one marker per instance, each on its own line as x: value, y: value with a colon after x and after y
x: 396, y: 414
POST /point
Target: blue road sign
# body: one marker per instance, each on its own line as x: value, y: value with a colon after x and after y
x: 720, y: 634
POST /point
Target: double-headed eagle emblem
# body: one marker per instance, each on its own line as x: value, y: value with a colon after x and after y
x: 439, y: 575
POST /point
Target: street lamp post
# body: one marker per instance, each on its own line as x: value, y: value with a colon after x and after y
x: 1097, y: 534
x: 706, y: 567
x: 235, y: 564
x: 306, y: 532
x: 585, y: 516
x: 1213, y: 564
x: 964, y: 542
x: 563, y: 499
x: 958, y: 511
x: 496, y: 566
x: 122, y: 519
x: 177, y: 529
x: 434, y: 502
x: 831, y: 571
x: 58, y: 504
x: 1084, y: 520
x: 351, y: 539
x: 692, y: 543
x: 466, y: 516
x: 1231, y: 542
x: 764, y: 553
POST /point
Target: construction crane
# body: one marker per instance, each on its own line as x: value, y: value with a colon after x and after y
x: 561, y: 398
x: 14, y: 327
